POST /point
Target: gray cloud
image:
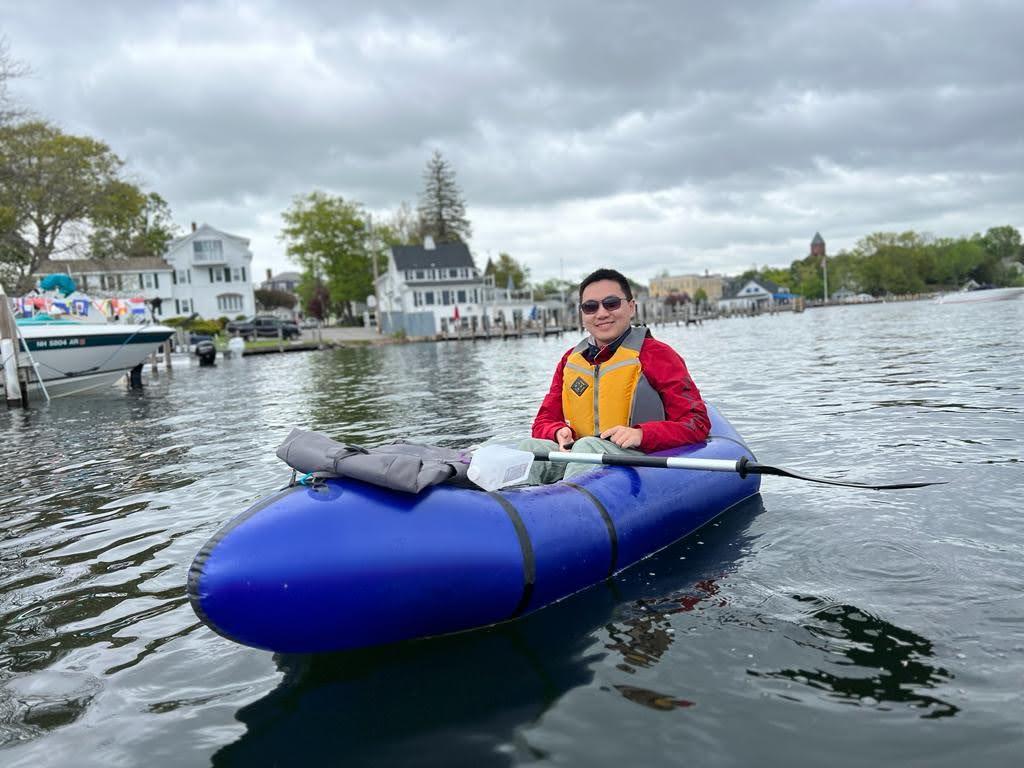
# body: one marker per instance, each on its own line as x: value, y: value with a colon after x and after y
x: 653, y: 136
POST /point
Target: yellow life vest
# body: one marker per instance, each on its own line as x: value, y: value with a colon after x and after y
x: 612, y: 393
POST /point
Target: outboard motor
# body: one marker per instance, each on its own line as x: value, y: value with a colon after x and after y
x: 206, y: 352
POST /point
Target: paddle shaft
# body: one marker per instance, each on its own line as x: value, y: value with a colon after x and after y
x: 709, y: 465
x: 742, y: 467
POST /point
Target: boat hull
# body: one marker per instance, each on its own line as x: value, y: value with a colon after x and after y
x: 980, y: 296
x: 72, y: 358
x: 350, y: 565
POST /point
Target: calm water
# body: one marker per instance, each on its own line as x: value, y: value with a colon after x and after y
x: 812, y: 626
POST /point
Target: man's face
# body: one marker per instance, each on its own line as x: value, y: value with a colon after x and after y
x: 606, y: 325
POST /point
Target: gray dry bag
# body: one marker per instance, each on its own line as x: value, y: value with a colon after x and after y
x: 400, y: 466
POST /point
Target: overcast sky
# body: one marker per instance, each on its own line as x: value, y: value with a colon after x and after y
x: 679, y: 136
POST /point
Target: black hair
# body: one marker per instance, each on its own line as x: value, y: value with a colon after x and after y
x: 607, y: 274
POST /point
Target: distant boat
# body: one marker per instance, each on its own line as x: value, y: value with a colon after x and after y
x: 981, y: 294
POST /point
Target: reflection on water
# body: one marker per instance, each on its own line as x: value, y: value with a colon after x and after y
x: 881, y: 665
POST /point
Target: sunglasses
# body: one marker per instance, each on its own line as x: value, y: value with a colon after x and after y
x: 611, y: 303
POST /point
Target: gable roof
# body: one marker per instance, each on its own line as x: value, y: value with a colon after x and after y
x: 442, y: 255
x: 205, y: 230
x: 79, y: 266
x: 732, y: 290
x: 817, y: 239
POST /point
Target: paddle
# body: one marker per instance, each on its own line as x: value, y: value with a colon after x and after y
x: 494, y: 467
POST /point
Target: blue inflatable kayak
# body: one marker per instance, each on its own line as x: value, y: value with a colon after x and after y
x: 348, y: 565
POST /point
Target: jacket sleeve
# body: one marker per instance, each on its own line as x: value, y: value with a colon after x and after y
x: 550, y: 418
x: 686, y: 417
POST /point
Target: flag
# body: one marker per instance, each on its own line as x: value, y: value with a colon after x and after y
x: 456, y: 313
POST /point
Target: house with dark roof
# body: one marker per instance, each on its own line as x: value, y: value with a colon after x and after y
x: 755, y: 295
x: 436, y: 287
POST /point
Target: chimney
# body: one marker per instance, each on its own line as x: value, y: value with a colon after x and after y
x: 269, y: 274
x: 193, y: 226
x: 428, y: 243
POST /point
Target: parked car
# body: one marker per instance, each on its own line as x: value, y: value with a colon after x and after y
x: 267, y: 326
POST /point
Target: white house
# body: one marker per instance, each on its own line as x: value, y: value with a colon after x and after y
x: 751, y: 296
x: 430, y: 289
x: 206, y: 271
x: 212, y: 274
x: 150, y: 278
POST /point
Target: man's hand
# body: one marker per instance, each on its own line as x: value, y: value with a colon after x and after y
x: 624, y: 437
x: 565, y: 438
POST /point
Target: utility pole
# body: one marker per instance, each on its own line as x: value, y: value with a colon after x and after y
x: 376, y: 269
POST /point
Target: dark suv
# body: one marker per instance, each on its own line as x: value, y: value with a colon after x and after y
x: 263, y: 325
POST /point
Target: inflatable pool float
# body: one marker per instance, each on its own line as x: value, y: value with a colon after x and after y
x: 346, y: 565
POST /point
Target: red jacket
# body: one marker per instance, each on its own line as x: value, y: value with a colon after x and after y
x: 686, y: 418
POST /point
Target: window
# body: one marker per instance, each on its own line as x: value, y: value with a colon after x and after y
x: 428, y: 297
x: 208, y: 250
x: 229, y: 302
x: 216, y: 275
x: 462, y: 297
x: 417, y: 298
x: 419, y: 274
x: 453, y: 273
x: 147, y: 279
x: 446, y: 298
x: 238, y: 274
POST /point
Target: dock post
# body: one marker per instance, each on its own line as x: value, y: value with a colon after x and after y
x: 9, y: 352
x: 167, y: 354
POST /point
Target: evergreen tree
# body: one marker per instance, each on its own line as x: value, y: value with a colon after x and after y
x: 442, y: 210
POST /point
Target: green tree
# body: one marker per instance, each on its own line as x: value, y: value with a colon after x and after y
x: 330, y: 239
x: 506, y: 267
x: 442, y: 210
x: 128, y: 222
x: 271, y: 298
x: 51, y: 182
x: 1003, y: 243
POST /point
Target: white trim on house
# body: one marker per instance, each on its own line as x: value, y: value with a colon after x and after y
x: 752, y: 296
x: 212, y: 275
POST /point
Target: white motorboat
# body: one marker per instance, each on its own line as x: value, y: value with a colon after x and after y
x: 72, y: 357
x: 981, y: 294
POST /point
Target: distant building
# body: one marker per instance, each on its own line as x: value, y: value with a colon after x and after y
x: 212, y: 273
x: 430, y: 289
x: 206, y: 271
x: 818, y: 245
x: 282, y: 281
x: 150, y: 278
x: 749, y: 296
x: 688, y: 284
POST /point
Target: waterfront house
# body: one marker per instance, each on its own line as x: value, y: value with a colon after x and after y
x: 212, y: 274
x: 145, y: 277
x: 436, y: 288
x: 754, y: 295
x: 206, y: 272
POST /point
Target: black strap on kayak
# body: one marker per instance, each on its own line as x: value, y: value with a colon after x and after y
x: 529, y: 561
x: 613, y: 536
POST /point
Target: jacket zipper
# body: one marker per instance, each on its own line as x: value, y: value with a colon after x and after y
x: 597, y: 400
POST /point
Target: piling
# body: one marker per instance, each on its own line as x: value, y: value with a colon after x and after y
x: 9, y: 352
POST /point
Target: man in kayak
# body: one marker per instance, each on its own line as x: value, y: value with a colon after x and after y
x: 617, y: 391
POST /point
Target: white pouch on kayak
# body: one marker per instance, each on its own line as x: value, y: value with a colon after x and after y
x: 495, y: 466
x: 407, y: 467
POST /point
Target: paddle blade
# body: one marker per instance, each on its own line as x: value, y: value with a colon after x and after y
x: 767, y: 469
x: 495, y: 466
